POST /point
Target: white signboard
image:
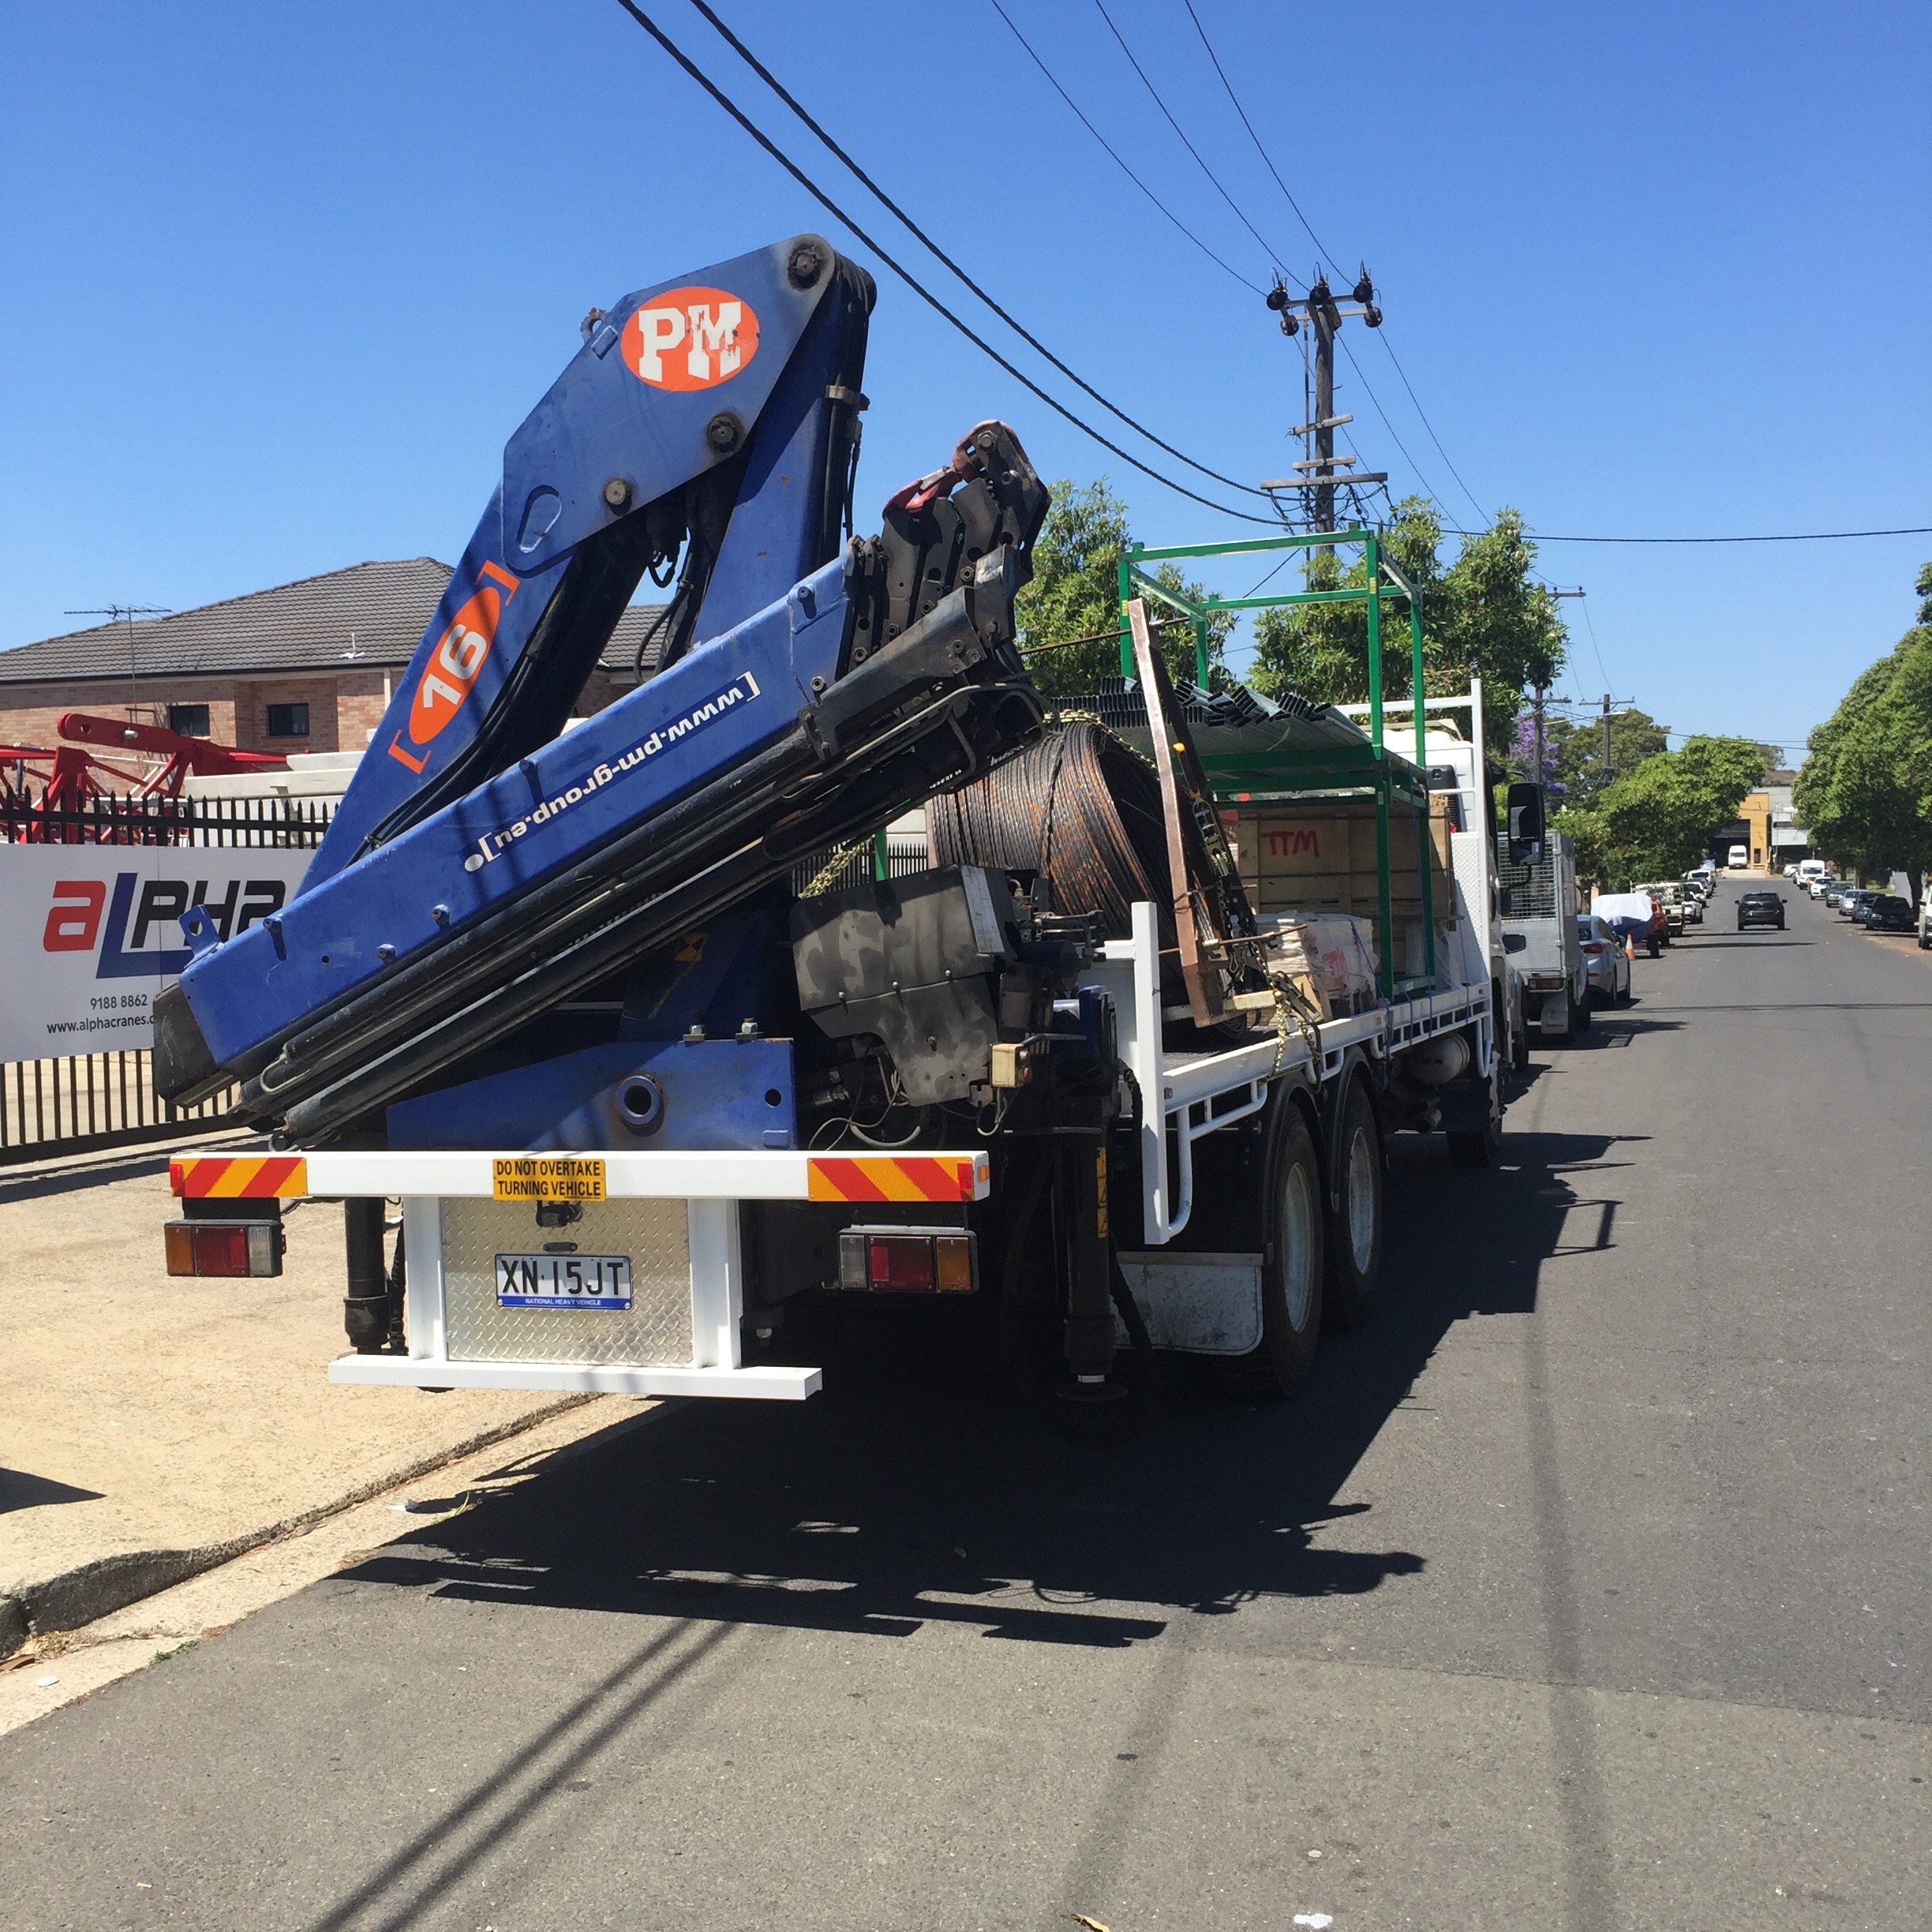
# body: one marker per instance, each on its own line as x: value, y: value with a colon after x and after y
x: 90, y: 934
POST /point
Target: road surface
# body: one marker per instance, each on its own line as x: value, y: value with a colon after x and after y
x: 1588, y: 1589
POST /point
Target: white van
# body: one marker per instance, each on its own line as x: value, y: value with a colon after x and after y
x: 1810, y: 869
x: 1739, y: 858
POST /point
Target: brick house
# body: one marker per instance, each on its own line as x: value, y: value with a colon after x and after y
x: 308, y: 666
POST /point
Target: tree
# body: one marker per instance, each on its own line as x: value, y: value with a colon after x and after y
x: 1652, y: 822
x: 1865, y: 787
x: 1482, y: 616
x: 1074, y: 594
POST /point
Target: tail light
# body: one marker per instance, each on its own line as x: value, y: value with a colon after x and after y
x: 224, y: 1247
x: 1594, y: 948
x: 909, y: 1260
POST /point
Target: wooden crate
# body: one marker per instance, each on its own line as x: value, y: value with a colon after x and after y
x: 1321, y: 858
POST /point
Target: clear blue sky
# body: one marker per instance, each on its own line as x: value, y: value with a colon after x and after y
x: 280, y: 281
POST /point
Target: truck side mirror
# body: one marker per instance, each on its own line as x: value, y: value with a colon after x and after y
x: 1525, y: 823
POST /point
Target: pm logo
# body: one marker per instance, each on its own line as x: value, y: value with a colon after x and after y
x: 453, y: 665
x: 690, y: 339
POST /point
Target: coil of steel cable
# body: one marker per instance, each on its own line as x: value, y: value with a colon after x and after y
x: 1080, y: 809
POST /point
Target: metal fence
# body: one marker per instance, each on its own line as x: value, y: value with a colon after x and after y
x: 82, y: 1103
x: 259, y: 822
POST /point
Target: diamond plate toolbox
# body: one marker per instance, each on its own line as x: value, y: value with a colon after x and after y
x: 655, y: 1331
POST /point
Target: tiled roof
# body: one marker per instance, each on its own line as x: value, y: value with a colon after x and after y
x: 368, y: 614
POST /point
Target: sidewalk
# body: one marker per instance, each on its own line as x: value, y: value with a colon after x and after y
x: 151, y: 1427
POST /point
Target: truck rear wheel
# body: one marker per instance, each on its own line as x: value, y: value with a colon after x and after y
x: 1355, y: 1225
x: 1291, y: 1256
x: 1478, y: 1146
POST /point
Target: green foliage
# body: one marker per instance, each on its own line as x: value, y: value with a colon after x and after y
x: 1075, y: 593
x: 1634, y: 736
x: 1866, y: 789
x: 1653, y: 821
x: 1482, y: 615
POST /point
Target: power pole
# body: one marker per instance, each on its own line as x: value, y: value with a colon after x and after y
x: 1606, y: 731
x: 1540, y: 690
x: 1322, y: 469
x: 1326, y: 320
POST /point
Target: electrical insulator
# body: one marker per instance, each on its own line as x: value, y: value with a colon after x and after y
x: 1372, y: 316
x: 1278, y: 297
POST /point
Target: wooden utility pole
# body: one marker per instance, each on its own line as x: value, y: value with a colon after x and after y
x: 1322, y: 469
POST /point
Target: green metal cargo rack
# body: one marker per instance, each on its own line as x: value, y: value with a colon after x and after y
x: 1285, y: 772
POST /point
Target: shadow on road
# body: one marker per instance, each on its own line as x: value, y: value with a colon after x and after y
x: 909, y: 1493
x: 20, y: 1489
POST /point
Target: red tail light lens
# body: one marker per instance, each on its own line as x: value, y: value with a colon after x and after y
x: 1594, y: 948
x: 900, y: 1261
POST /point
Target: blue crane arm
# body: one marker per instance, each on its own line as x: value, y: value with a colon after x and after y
x: 485, y: 865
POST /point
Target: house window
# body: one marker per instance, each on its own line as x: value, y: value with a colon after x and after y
x: 288, y: 721
x: 189, y: 721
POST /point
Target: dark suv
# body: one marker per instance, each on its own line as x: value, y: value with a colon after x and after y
x: 1889, y: 913
x: 1761, y: 908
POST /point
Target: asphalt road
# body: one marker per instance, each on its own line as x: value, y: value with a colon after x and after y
x: 1587, y: 1589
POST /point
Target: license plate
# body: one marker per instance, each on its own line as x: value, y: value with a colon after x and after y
x: 564, y: 1281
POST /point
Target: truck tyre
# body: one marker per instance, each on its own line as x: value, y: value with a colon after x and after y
x: 1355, y: 1258
x: 1519, y: 1048
x: 1581, y: 1009
x: 1291, y: 1257
x: 1478, y: 1146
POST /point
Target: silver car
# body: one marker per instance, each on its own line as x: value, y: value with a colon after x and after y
x: 1606, y: 961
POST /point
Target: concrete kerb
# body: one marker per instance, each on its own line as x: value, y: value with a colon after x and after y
x: 94, y: 1589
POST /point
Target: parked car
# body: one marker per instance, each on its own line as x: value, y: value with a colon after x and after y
x: 1607, y: 959
x: 1739, y: 860
x: 1789, y: 871
x: 1857, y: 904
x: 1888, y: 912
x: 1671, y: 898
x: 1810, y: 869
x: 1819, y: 884
x: 1761, y: 908
x: 1834, y: 892
x: 1924, y: 918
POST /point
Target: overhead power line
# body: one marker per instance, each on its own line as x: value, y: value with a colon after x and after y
x: 1273, y: 254
x: 906, y: 275
x: 1256, y: 138
x: 1053, y: 81
x: 1389, y: 426
x: 1475, y: 503
x: 1019, y: 328
x: 1537, y: 536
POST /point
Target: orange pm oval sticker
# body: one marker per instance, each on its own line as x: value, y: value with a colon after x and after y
x: 690, y: 339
